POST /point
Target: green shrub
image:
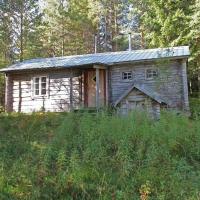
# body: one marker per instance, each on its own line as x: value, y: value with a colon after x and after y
x: 195, y: 107
x: 99, y: 156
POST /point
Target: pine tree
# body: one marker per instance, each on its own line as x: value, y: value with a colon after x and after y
x: 112, y: 18
x: 6, y: 34
x: 69, y: 29
x: 25, y: 13
x: 194, y: 38
x: 18, y: 26
x: 166, y: 23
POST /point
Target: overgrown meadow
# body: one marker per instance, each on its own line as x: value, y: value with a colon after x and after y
x: 99, y: 156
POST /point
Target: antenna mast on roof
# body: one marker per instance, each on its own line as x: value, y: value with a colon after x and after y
x: 130, y: 42
x: 95, y: 43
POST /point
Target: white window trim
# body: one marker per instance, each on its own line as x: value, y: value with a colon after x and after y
x: 152, y: 78
x: 33, y: 87
x: 127, y: 72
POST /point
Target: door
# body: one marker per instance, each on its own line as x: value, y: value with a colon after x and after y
x: 91, y: 88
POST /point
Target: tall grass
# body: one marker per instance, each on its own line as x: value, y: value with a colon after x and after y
x: 87, y: 156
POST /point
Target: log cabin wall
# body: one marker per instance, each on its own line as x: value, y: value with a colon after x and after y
x: 170, y: 83
x: 8, y: 93
x: 58, y: 94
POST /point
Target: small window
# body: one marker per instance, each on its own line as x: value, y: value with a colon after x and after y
x: 94, y: 79
x: 127, y: 76
x: 40, y: 86
x: 151, y: 73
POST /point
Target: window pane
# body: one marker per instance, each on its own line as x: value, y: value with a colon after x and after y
x: 155, y: 73
x: 37, y: 80
x: 127, y: 75
x: 94, y: 79
x: 36, y: 86
x: 151, y: 74
x: 44, y: 79
x: 44, y: 85
x: 43, y: 91
x: 36, y: 92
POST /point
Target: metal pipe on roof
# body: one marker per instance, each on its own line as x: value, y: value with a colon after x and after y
x: 130, y: 42
x: 95, y: 43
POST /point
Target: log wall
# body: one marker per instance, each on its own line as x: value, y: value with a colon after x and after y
x: 171, y: 83
x: 60, y: 85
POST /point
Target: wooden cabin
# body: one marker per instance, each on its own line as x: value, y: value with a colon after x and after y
x: 130, y: 80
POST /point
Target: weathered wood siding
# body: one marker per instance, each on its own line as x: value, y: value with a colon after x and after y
x: 136, y: 100
x: 66, y: 90
x: 8, y: 93
x: 58, y: 94
x: 171, y: 83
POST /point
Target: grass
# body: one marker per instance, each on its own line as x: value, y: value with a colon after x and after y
x: 84, y: 156
x: 195, y: 107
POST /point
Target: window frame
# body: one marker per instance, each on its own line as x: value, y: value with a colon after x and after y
x: 152, y: 71
x: 127, y: 74
x: 34, y: 95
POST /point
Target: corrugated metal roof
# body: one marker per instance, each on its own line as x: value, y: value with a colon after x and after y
x: 100, y: 58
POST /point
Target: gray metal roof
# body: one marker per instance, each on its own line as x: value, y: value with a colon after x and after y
x: 146, y: 90
x: 100, y: 58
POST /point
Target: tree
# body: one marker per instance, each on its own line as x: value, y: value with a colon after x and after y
x: 6, y: 34
x: 18, y: 21
x: 112, y: 18
x: 172, y: 23
x: 69, y: 29
x: 25, y: 15
x: 194, y: 38
x: 166, y: 23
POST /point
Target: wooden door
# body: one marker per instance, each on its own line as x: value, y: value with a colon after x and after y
x: 91, y: 88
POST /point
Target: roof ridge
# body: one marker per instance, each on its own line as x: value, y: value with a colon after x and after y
x: 108, y: 53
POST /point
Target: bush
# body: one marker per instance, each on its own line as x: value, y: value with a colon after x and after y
x: 195, y: 107
x: 88, y: 156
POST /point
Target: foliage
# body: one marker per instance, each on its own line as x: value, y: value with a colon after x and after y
x: 195, y: 107
x: 99, y: 156
x: 19, y: 20
x: 194, y: 38
x: 172, y: 23
x: 29, y: 29
x: 68, y: 27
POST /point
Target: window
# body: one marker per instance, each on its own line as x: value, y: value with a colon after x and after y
x: 94, y: 79
x: 151, y: 74
x: 43, y: 86
x: 126, y: 75
x: 40, y: 86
